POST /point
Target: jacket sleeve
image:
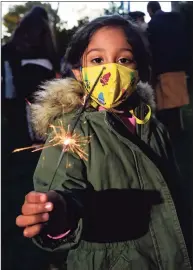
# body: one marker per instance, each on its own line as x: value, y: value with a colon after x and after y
x: 162, y: 145
x: 69, y: 179
x: 181, y: 195
x: 174, y: 179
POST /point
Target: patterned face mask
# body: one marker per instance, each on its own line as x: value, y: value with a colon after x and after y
x: 115, y: 85
x: 111, y: 84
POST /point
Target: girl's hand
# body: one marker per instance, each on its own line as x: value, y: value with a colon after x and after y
x: 36, y: 211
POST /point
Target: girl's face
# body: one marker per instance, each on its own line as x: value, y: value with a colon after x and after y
x: 108, y: 45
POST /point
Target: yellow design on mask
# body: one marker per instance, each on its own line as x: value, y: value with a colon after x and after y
x: 115, y: 85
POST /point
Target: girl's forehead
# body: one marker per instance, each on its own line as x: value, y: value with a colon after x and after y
x: 109, y: 36
x: 109, y: 30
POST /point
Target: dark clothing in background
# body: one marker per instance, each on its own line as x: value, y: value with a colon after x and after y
x: 32, y: 76
x: 66, y: 69
x: 22, y: 73
x: 28, y: 76
x: 168, y: 42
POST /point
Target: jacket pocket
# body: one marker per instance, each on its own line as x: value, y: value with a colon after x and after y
x: 121, y: 264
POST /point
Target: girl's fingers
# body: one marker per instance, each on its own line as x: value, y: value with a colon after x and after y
x: 29, y: 209
x: 36, y: 197
x: 24, y: 221
x: 32, y: 231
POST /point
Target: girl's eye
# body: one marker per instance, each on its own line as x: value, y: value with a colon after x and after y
x: 125, y: 61
x: 97, y: 60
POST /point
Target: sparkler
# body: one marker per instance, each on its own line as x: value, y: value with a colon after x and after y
x: 69, y: 140
x: 70, y: 143
x: 87, y: 97
x: 74, y: 143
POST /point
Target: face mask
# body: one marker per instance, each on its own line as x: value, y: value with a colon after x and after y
x: 114, y: 86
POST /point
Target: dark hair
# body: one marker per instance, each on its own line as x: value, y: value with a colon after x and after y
x: 154, y: 6
x: 83, y: 36
x: 33, y: 35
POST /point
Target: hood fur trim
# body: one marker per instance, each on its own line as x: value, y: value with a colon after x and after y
x: 146, y: 93
x: 54, y: 99
x: 64, y: 96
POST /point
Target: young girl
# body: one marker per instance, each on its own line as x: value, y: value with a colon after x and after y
x: 112, y: 208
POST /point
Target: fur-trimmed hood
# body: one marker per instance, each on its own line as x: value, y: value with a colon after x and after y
x: 61, y: 96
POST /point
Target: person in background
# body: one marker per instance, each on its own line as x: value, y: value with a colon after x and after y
x: 28, y: 59
x: 138, y: 18
x: 168, y: 47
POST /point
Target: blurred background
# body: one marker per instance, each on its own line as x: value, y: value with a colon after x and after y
x: 66, y: 17
x: 59, y: 23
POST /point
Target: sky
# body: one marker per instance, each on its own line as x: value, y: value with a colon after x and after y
x: 72, y: 11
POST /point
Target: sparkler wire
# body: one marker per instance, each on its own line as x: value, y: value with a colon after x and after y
x: 75, y: 124
x: 86, y: 101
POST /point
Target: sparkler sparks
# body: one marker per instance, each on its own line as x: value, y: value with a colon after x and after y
x: 69, y: 140
x: 74, y: 143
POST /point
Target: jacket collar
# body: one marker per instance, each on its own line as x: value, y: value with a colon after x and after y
x: 61, y: 97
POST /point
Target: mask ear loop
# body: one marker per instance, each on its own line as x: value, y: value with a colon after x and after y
x: 145, y: 120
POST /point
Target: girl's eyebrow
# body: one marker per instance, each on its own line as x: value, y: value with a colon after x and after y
x: 126, y: 49
x: 101, y: 49
x: 95, y: 49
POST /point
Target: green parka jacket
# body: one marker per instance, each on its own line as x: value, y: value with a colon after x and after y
x: 121, y: 199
